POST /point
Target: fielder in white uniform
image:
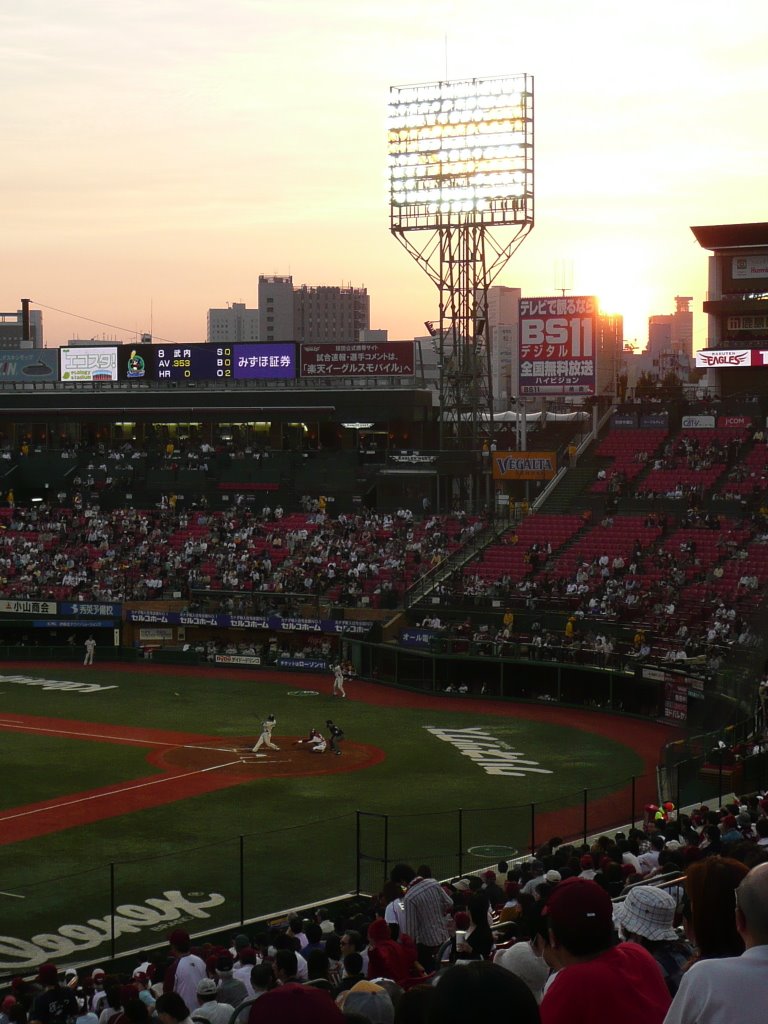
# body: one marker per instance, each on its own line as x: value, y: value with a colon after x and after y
x: 338, y: 681
x: 265, y: 739
x: 90, y: 647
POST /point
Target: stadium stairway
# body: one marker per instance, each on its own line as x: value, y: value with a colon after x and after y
x: 573, y: 489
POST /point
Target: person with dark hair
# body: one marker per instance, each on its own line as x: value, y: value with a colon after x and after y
x: 351, y: 941
x: 231, y: 990
x: 732, y: 988
x: 426, y: 906
x: 415, y: 1004
x: 333, y: 952
x: 477, y: 941
x: 353, y: 972
x: 285, y: 966
x: 314, y: 936
x: 708, y: 918
x: 136, y: 1012
x: 56, y: 1004
x: 113, y: 1008
x: 185, y: 970
x: 479, y: 993
x: 595, y: 971
x: 319, y: 970
x: 171, y: 1009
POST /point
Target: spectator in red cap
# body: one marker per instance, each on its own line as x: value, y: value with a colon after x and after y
x: 186, y: 970
x: 296, y: 1004
x: 387, y: 958
x: 56, y: 1004
x: 596, y: 972
x: 587, y: 866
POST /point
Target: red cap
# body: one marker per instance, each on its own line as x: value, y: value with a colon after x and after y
x: 48, y: 974
x: 295, y: 1004
x: 378, y: 930
x: 580, y: 906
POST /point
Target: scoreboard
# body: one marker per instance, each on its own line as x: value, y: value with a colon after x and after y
x: 195, y: 362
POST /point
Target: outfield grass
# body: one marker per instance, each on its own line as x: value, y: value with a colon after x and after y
x: 299, y: 843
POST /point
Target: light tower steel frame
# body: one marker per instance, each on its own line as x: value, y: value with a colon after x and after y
x: 461, y: 159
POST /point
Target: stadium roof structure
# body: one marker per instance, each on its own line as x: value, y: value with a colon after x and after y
x: 732, y: 236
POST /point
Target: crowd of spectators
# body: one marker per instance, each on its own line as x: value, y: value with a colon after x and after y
x: 667, y: 922
x: 88, y: 554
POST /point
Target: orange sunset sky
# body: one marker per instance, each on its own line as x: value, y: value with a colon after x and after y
x: 158, y: 155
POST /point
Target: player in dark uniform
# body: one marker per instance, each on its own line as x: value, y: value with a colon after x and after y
x: 335, y: 734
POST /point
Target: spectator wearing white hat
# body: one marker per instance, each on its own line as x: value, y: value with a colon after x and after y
x: 210, y: 1010
x: 647, y: 916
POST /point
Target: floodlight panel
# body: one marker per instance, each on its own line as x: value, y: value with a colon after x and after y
x: 461, y: 148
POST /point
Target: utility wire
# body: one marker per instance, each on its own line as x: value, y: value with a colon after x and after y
x: 101, y: 323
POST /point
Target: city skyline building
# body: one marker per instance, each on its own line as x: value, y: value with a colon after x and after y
x: 672, y: 332
x: 311, y: 314
x: 235, y: 323
x: 12, y: 328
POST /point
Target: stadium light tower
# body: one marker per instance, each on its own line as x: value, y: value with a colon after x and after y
x: 461, y: 167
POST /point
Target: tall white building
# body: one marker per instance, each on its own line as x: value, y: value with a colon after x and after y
x: 235, y: 323
x: 503, y: 315
x: 276, y: 320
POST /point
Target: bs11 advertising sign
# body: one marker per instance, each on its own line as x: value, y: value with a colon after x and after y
x: 557, y: 345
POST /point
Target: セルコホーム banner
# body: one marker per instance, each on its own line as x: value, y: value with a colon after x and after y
x: 557, y: 345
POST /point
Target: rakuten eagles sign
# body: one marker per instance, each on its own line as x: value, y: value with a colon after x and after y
x: 730, y: 357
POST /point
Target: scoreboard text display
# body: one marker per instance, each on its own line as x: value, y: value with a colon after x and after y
x: 195, y: 362
x: 557, y: 345
x: 225, y: 362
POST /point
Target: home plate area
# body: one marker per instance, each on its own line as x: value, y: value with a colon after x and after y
x: 235, y: 756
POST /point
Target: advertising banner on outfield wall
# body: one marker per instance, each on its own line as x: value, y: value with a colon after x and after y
x: 624, y: 421
x: 524, y: 465
x: 655, y: 421
x: 358, y: 627
x: 698, y: 422
x: 29, y: 365
x: 557, y: 345
x: 358, y: 359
